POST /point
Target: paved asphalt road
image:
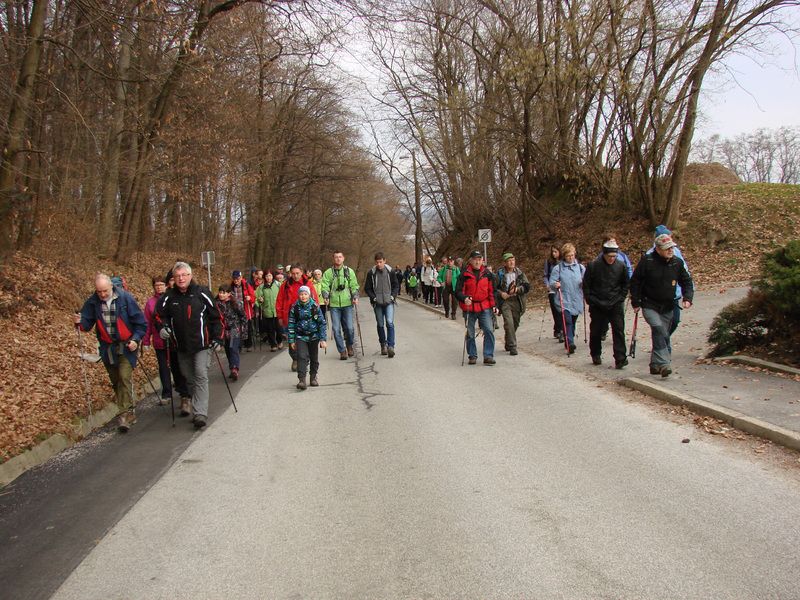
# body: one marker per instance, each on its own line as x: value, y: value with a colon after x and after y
x: 53, y: 515
x: 414, y: 477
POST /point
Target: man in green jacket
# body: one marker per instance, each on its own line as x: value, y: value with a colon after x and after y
x: 340, y: 293
x: 448, y: 275
x: 266, y: 297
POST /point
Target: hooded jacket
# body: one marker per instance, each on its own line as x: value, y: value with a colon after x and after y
x: 478, y: 285
x: 287, y: 295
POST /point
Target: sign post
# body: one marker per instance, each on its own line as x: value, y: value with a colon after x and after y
x: 485, y: 236
x: 207, y: 258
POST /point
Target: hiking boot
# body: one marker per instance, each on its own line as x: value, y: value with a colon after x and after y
x: 391, y: 352
x: 596, y: 360
x: 560, y: 338
x: 513, y: 352
x: 665, y: 371
x: 342, y: 355
x: 655, y: 370
x: 294, y: 365
x: 453, y: 317
x: 273, y: 348
x: 199, y: 421
x: 280, y: 345
x: 621, y: 363
x: 572, y: 348
x: 350, y: 352
x: 383, y: 350
x: 473, y: 360
x: 301, y: 384
x: 234, y: 374
x: 125, y: 421
x: 164, y: 401
x: 314, y: 382
x: 186, y: 406
x: 489, y: 360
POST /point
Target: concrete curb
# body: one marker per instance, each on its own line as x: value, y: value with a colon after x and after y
x: 44, y: 451
x: 752, y: 425
x: 757, y: 362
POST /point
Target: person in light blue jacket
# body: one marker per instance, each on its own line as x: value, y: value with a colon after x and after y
x: 566, y: 279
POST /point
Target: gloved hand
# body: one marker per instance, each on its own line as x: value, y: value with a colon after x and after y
x: 215, y: 344
x: 165, y: 333
x: 391, y: 299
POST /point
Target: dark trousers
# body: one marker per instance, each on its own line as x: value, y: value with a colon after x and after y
x: 163, y: 373
x: 601, y: 318
x: 449, y: 301
x: 271, y: 331
x: 232, y: 352
x: 307, y: 352
x: 557, y: 324
x: 426, y: 293
x: 181, y: 386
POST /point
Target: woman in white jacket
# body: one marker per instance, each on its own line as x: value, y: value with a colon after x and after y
x: 429, y: 277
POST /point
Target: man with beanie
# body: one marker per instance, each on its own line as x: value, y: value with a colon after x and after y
x: 676, y: 310
x: 475, y: 293
x: 653, y: 290
x: 605, y: 287
x: 382, y: 287
x: 512, y: 285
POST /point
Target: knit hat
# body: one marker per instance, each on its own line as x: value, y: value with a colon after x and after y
x: 664, y: 242
x: 236, y: 274
x: 662, y: 229
x: 475, y: 254
x: 610, y: 247
x: 304, y: 288
x: 507, y: 255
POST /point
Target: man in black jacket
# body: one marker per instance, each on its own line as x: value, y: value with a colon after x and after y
x: 653, y: 290
x: 382, y: 286
x: 187, y: 314
x: 605, y: 286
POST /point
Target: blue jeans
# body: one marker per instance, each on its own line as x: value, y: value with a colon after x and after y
x: 660, y: 327
x: 232, y: 352
x: 385, y: 313
x: 484, y: 319
x: 570, y: 321
x: 342, y: 317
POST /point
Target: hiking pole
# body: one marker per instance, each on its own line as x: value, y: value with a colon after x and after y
x: 541, y: 329
x: 146, y: 374
x: 225, y: 379
x: 87, y: 395
x: 171, y: 396
x: 358, y: 323
x: 632, y: 353
x: 585, y: 339
x: 564, y: 320
x: 466, y: 335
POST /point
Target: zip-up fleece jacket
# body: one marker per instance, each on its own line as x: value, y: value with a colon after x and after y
x: 306, y: 322
x: 523, y: 286
x: 192, y: 316
x: 331, y: 282
x: 654, y: 280
x: 130, y: 325
x: 453, y: 278
x: 371, y: 281
x: 287, y: 296
x: 605, y: 285
x: 479, y: 285
x: 266, y: 297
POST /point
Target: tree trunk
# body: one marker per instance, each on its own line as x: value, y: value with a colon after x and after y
x: 13, y: 153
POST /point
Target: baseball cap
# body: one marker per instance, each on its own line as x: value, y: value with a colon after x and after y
x: 664, y: 241
x: 475, y: 254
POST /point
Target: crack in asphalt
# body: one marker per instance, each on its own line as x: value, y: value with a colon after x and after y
x: 361, y: 374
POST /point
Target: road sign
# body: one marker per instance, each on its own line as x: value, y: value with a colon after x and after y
x: 484, y: 236
x: 207, y: 258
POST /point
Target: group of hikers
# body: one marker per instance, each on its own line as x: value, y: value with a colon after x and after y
x: 298, y: 307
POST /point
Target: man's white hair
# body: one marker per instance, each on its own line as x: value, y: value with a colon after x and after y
x: 182, y: 266
x: 104, y: 278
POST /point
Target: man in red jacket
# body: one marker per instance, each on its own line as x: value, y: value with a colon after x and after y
x: 287, y: 296
x: 475, y: 293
